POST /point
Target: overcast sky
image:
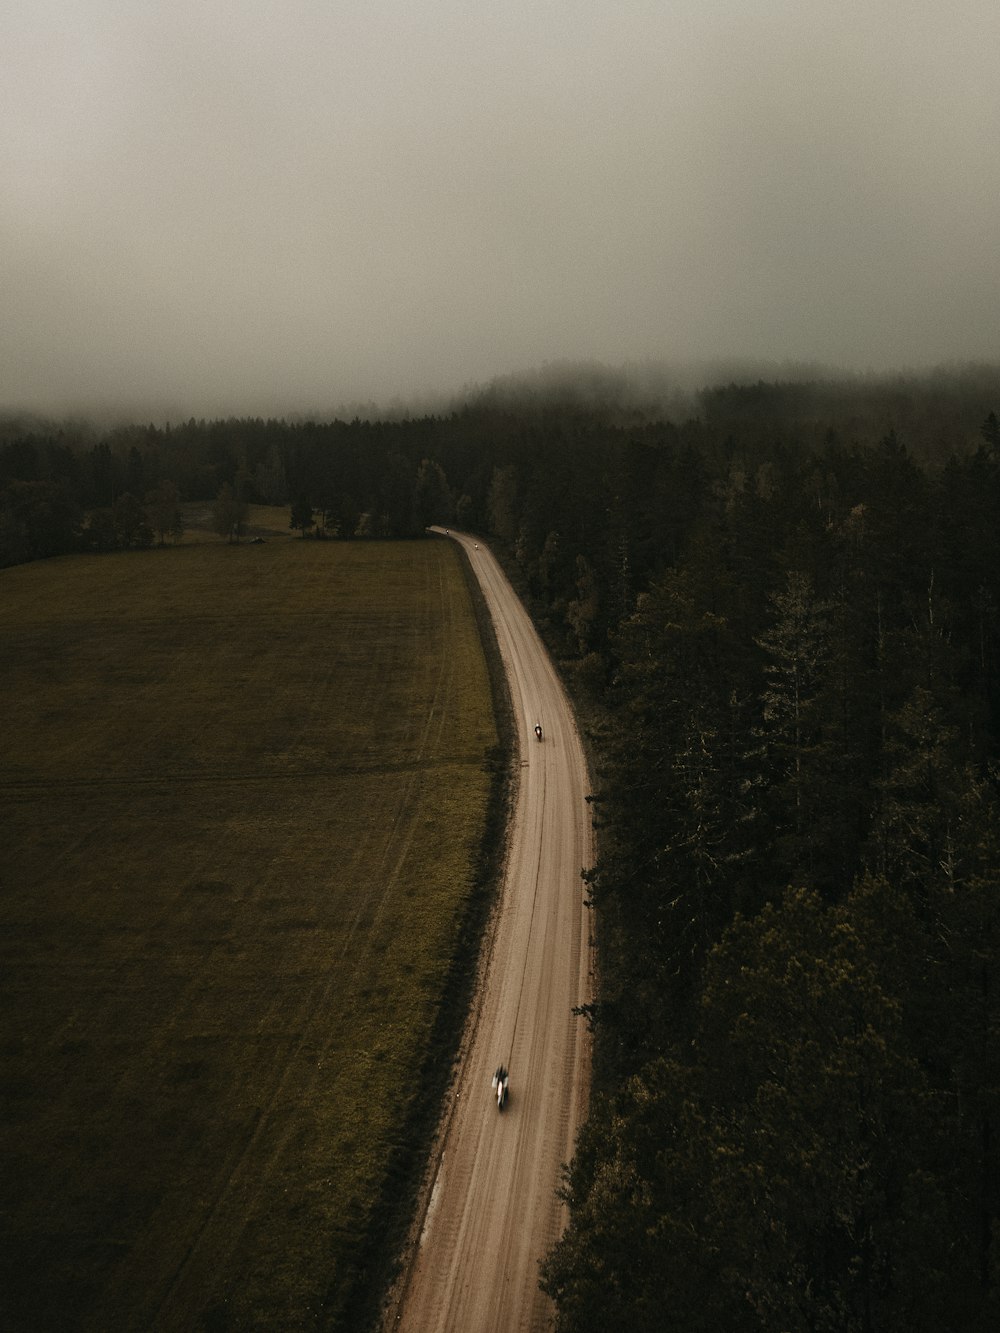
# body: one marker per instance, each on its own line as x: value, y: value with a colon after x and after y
x: 215, y: 206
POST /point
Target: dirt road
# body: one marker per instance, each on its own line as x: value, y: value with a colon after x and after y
x: 493, y: 1211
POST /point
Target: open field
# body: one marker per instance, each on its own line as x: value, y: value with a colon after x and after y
x: 241, y: 792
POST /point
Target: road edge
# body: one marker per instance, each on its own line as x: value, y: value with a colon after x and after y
x: 472, y: 958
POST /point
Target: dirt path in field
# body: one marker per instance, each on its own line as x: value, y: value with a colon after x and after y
x: 492, y: 1210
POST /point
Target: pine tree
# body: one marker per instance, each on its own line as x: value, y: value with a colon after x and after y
x: 301, y: 515
x: 798, y: 648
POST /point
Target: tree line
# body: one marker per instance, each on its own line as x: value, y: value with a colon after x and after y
x: 780, y: 617
x: 797, y: 896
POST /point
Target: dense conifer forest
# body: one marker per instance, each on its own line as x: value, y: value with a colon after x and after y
x: 780, y: 616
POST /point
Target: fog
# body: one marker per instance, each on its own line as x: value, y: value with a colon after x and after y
x: 278, y: 206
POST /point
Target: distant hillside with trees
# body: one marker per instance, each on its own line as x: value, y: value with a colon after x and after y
x: 780, y: 615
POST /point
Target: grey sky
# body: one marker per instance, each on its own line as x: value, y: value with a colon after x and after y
x: 214, y: 206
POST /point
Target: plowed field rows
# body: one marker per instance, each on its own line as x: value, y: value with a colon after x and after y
x: 241, y: 789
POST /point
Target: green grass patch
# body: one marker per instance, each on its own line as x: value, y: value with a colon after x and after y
x: 243, y: 790
x: 267, y: 521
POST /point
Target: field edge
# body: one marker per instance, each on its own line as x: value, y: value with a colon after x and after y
x: 397, y: 1215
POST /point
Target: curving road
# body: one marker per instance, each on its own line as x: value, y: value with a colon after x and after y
x: 493, y: 1210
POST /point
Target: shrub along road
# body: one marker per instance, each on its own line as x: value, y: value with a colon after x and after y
x: 493, y: 1210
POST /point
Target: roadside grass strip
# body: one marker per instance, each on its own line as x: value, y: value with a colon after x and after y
x: 242, y: 792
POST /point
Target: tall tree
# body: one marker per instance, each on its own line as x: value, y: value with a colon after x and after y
x: 131, y: 524
x: 163, y: 508
x: 502, y: 503
x: 432, y: 498
x: 798, y: 648
x: 302, y: 514
x: 228, y: 513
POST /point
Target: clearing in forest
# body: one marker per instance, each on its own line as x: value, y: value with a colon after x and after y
x: 242, y: 791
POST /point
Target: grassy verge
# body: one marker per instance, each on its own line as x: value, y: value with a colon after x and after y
x: 243, y: 792
x: 399, y: 1208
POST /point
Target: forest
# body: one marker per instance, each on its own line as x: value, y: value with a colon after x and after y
x: 779, y: 616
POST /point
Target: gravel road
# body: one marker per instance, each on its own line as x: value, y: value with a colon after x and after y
x: 493, y: 1211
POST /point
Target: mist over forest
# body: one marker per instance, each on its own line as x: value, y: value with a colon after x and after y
x: 648, y: 390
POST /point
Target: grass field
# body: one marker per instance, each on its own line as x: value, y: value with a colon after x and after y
x: 241, y: 791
